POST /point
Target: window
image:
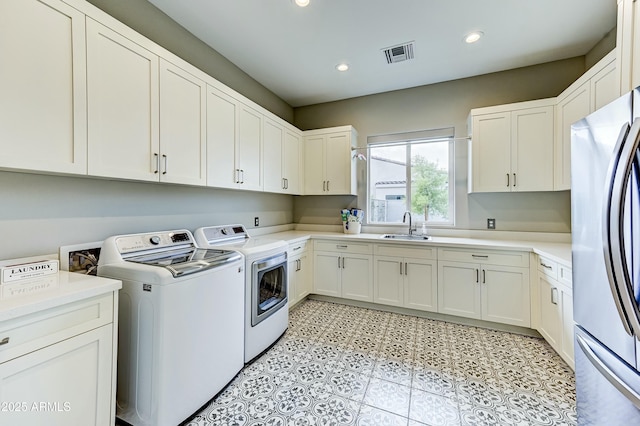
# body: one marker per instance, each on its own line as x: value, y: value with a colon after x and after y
x: 411, y: 172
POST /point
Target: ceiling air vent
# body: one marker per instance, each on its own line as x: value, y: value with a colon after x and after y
x: 399, y: 53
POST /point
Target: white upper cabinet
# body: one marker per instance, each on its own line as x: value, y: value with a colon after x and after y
x: 249, y: 148
x: 43, y: 118
x: 596, y: 88
x: 628, y: 45
x: 329, y: 168
x: 221, y: 138
x: 123, y: 105
x: 234, y: 142
x: 182, y: 126
x: 281, y: 158
x: 512, y: 147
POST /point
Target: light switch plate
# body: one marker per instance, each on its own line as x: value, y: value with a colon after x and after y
x: 491, y: 224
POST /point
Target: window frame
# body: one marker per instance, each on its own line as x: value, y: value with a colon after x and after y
x: 408, y: 139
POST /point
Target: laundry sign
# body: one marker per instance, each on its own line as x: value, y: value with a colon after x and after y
x: 28, y: 271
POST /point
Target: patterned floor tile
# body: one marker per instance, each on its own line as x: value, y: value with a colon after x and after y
x: 344, y: 365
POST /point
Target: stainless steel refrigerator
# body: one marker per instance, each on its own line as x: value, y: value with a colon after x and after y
x: 605, y: 216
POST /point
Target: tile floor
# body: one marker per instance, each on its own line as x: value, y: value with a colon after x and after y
x: 342, y: 365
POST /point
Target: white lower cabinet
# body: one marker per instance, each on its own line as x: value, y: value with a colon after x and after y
x: 489, y: 285
x: 406, y: 277
x: 343, y: 270
x: 299, y: 269
x: 57, y: 366
x: 556, y: 308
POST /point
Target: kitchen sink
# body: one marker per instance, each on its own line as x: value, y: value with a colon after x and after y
x: 406, y: 237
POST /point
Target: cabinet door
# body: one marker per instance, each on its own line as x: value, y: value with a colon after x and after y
x: 505, y: 295
x: 388, y: 286
x: 532, y: 149
x: 73, y: 380
x: 43, y: 118
x: 326, y: 274
x: 567, y: 350
x: 421, y: 284
x: 491, y: 153
x: 314, y: 177
x: 122, y: 84
x: 357, y: 278
x: 550, y: 315
x: 459, y: 289
x: 292, y: 280
x: 249, y: 148
x: 291, y: 162
x: 304, y: 279
x: 605, y: 86
x: 221, y: 138
x: 182, y: 126
x: 273, y: 157
x: 338, y: 163
x: 568, y: 110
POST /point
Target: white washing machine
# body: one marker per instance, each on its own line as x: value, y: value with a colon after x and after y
x: 181, y: 323
x: 266, y: 310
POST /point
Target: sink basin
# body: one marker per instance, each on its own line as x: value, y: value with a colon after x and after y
x: 406, y: 237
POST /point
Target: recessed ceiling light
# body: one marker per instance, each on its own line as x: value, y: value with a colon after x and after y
x: 473, y: 37
x: 302, y: 3
x: 342, y: 67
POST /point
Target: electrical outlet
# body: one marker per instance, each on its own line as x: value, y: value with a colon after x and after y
x: 256, y: 221
x: 491, y: 224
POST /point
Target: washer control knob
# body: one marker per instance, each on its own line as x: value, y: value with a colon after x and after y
x: 224, y: 231
x: 155, y: 240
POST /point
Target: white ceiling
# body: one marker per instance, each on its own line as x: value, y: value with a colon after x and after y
x: 293, y: 51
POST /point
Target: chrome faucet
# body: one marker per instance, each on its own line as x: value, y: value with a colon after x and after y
x: 404, y: 220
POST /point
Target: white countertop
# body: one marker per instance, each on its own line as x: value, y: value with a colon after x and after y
x: 559, y: 252
x: 23, y: 298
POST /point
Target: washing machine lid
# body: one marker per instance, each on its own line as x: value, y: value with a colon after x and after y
x: 187, y: 260
x: 236, y: 237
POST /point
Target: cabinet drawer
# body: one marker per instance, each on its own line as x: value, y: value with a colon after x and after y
x: 296, y: 249
x: 417, y: 252
x: 34, y: 331
x: 342, y: 247
x: 548, y: 267
x: 565, y: 275
x: 489, y: 257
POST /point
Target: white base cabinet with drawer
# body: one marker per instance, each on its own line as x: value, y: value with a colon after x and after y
x: 57, y: 366
x: 299, y: 269
x: 556, y: 308
x: 343, y: 270
x: 489, y: 285
x: 406, y: 276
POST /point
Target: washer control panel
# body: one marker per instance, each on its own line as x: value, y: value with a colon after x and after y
x: 141, y: 242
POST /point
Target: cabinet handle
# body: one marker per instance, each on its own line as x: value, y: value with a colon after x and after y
x: 477, y: 275
x: 324, y: 185
x: 342, y: 246
x: 242, y: 174
x: 507, y: 180
x: 327, y: 186
x: 554, y: 295
x: 286, y: 183
x: 514, y: 179
x: 296, y: 248
x: 481, y: 256
x: 343, y: 263
x: 155, y: 154
x: 237, y: 177
x: 4, y: 341
x: 545, y: 266
x: 406, y: 268
x: 165, y: 164
x: 484, y: 276
x: 400, y: 268
x: 298, y: 265
x: 338, y: 262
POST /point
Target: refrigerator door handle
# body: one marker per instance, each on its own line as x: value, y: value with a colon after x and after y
x: 607, y: 372
x: 612, y: 230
